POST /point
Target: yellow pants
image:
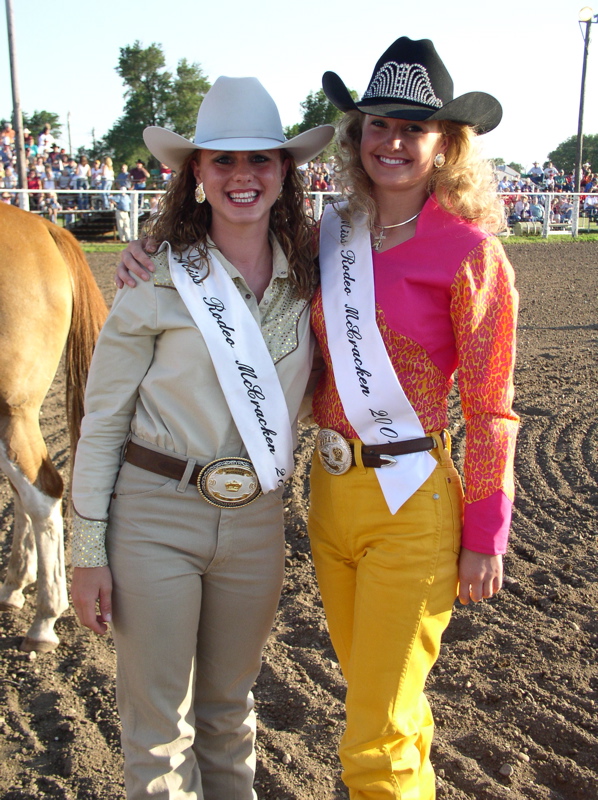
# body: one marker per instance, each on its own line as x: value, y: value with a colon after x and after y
x: 388, y: 584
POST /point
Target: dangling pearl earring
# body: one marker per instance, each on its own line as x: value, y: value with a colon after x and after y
x: 200, y: 195
x: 439, y: 160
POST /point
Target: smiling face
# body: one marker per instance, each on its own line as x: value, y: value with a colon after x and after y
x: 240, y: 186
x: 398, y: 154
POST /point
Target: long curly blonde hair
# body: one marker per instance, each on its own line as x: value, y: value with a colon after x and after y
x: 184, y: 223
x: 465, y: 186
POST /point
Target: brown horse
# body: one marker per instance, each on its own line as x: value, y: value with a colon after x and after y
x: 48, y: 297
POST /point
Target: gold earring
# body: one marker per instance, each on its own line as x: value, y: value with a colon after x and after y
x: 439, y: 160
x: 200, y: 195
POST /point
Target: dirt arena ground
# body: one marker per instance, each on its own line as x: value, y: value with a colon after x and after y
x: 515, y: 691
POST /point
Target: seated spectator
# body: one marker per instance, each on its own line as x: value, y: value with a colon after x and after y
x: 30, y: 148
x: 588, y: 182
x: 34, y: 184
x: 49, y: 206
x: 165, y: 175
x: 10, y: 177
x: 550, y: 173
x: 522, y: 208
x: 49, y: 179
x: 7, y: 155
x: 40, y: 165
x: 555, y: 212
x: 53, y: 157
x: 8, y: 134
x: 566, y: 209
x: 154, y: 203
x: 6, y: 197
x: 536, y: 173
x: 536, y: 210
x: 590, y: 205
x: 560, y: 180
x: 45, y: 140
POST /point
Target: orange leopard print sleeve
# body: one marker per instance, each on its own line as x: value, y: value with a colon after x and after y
x: 484, y: 312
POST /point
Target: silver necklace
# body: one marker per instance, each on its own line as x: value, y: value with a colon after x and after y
x: 381, y: 237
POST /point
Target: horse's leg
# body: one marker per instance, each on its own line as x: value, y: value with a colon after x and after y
x: 52, y: 598
x: 22, y: 564
x: 39, y: 530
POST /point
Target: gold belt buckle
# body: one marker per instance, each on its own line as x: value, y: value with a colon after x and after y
x: 334, y: 452
x: 229, y: 483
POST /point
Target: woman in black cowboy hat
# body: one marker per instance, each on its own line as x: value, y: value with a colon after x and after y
x: 414, y: 285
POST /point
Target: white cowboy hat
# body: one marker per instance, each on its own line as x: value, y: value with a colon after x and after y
x: 236, y: 114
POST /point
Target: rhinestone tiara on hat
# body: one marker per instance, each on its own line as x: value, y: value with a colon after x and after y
x: 403, y: 82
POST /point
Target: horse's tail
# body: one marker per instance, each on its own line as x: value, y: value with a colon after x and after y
x: 88, y: 315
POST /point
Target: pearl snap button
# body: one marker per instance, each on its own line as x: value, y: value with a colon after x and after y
x: 436, y: 496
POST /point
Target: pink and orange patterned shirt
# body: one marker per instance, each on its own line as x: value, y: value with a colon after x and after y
x: 445, y: 300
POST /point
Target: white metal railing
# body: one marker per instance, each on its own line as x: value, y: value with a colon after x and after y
x: 570, y: 225
x: 139, y: 205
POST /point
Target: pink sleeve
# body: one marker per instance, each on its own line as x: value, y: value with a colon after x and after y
x: 486, y: 524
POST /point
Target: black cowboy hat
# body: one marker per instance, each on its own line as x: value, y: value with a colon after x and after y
x: 411, y: 82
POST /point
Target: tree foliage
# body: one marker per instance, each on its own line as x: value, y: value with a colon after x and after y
x: 153, y: 96
x: 563, y: 156
x: 317, y: 110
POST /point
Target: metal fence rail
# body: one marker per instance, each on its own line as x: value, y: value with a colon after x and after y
x: 140, y: 204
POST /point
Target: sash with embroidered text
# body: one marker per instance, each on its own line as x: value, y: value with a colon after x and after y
x: 242, y: 363
x: 372, y: 397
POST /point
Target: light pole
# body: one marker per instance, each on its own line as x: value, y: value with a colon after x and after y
x: 587, y: 16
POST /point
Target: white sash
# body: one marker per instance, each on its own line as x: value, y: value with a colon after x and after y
x: 370, y: 392
x: 243, y: 365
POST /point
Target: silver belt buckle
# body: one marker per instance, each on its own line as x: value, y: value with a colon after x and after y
x: 229, y: 483
x: 334, y: 452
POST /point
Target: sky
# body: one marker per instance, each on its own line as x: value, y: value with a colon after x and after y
x: 528, y: 55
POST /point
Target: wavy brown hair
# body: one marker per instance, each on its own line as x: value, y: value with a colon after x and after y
x: 465, y: 186
x: 184, y: 223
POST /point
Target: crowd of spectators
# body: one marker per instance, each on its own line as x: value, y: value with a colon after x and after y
x: 547, y: 190
x: 318, y: 175
x: 53, y: 175
x: 52, y: 171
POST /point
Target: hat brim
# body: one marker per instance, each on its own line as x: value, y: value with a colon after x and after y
x: 172, y: 149
x: 476, y: 109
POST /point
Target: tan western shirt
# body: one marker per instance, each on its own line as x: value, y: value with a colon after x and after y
x: 152, y: 378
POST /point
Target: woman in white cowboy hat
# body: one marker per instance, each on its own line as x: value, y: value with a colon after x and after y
x: 187, y: 441
x: 413, y: 287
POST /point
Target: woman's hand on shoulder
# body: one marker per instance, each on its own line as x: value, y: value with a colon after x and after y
x: 480, y: 576
x: 91, y: 593
x: 135, y: 261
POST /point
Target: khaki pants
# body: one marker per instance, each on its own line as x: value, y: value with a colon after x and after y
x: 195, y: 594
x: 388, y: 584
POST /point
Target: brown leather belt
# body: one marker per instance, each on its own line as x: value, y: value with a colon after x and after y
x: 226, y: 482
x: 371, y: 455
x: 159, y: 463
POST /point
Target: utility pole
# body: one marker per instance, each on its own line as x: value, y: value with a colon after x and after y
x: 16, y: 105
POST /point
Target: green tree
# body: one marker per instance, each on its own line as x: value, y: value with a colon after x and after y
x: 189, y: 84
x: 317, y: 110
x: 153, y: 96
x: 563, y: 156
x: 517, y: 167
